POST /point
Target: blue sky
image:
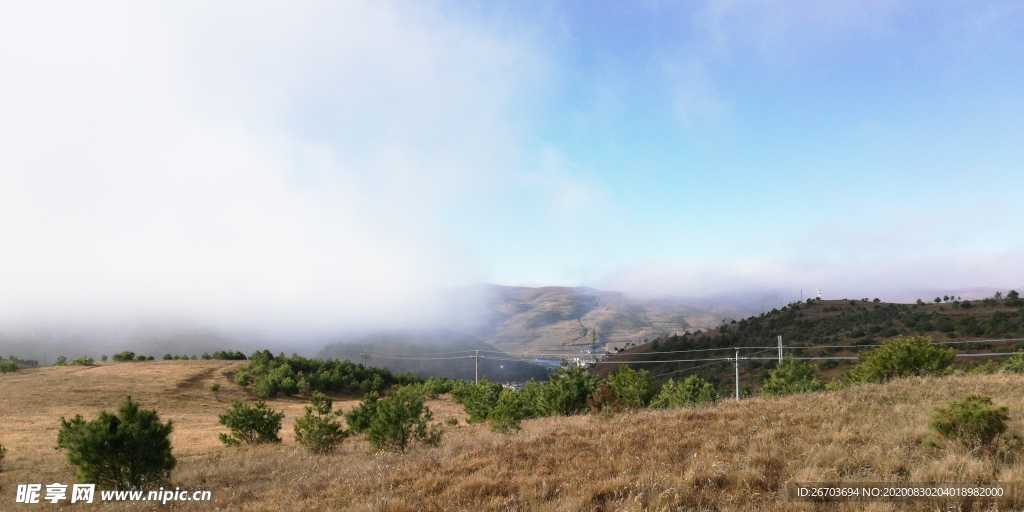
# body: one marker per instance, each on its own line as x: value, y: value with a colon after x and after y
x: 779, y: 131
x: 329, y: 163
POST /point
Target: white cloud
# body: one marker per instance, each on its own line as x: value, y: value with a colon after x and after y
x: 891, y: 280
x: 244, y: 166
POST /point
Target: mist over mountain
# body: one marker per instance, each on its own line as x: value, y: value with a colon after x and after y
x: 573, y: 319
x: 523, y: 323
x: 549, y: 322
x: 436, y: 353
x: 45, y: 342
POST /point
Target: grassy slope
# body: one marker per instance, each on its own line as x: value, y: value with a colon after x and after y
x: 835, y: 322
x: 733, y: 456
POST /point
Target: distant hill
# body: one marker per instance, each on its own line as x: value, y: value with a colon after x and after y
x: 567, y: 320
x: 440, y: 353
x: 845, y: 326
x: 46, y: 342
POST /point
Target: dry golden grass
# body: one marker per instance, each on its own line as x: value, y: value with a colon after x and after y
x: 733, y: 456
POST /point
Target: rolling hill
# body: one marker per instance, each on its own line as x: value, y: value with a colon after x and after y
x: 727, y: 457
x: 563, y: 319
x: 829, y: 328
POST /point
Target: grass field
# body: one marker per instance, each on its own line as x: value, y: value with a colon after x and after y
x: 732, y: 456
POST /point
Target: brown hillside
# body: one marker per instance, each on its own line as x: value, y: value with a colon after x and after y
x: 563, y: 319
x: 732, y: 456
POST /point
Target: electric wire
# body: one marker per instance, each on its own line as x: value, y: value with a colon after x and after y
x: 684, y: 370
x: 539, y: 357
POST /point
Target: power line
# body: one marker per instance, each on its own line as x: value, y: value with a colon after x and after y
x: 821, y: 358
x: 428, y: 353
x: 982, y: 354
x: 684, y: 370
x: 667, y: 361
x: 537, y: 357
x: 424, y: 358
x: 978, y: 341
x: 405, y: 355
x: 679, y: 351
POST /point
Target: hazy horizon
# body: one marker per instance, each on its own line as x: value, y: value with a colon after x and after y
x: 316, y: 169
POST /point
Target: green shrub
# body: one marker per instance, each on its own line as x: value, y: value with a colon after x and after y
x: 399, y: 419
x: 435, y: 387
x: 229, y: 355
x: 631, y: 389
x: 61, y: 361
x: 288, y: 386
x: 691, y: 391
x: 3, y: 452
x: 460, y: 390
x: 8, y: 366
x: 319, y: 430
x: 532, y: 396
x: 359, y: 417
x: 1014, y: 363
x: 269, y: 374
x: 567, y: 391
x: 973, y: 422
x: 790, y: 377
x: 215, y: 389
x: 479, y: 400
x: 127, y: 451
x: 453, y: 421
x: 265, y: 387
x: 508, y: 413
x: 602, y: 399
x: 103, y: 358
x: 82, y: 361
x: 984, y: 369
x: 140, y: 357
x: 168, y: 357
x: 902, y: 357
x: 251, y: 425
x: 243, y: 378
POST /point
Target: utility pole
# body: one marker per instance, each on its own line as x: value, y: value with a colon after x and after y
x: 365, y: 356
x: 476, y: 379
x: 780, y: 348
x: 737, y: 374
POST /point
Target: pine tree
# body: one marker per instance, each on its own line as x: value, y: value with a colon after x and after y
x: 400, y: 419
x: 127, y: 451
x: 790, y: 377
x: 319, y: 430
x: 251, y: 425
